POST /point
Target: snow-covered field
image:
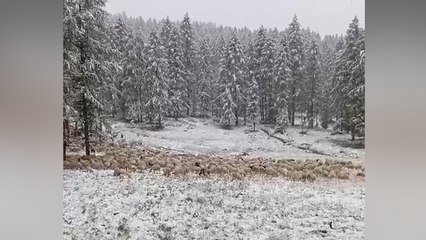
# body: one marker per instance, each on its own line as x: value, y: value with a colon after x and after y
x: 98, y: 205
x: 193, y: 135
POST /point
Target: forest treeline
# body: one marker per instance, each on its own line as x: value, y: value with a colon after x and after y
x: 144, y: 70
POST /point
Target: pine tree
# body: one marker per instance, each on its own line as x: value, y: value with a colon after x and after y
x: 253, y: 103
x: 282, y: 83
x: 177, y: 90
x: 188, y: 56
x: 249, y: 76
x: 155, y: 82
x: 87, y: 46
x: 205, y: 76
x: 232, y: 74
x: 218, y: 60
x: 349, y: 80
x: 312, y: 71
x: 264, y: 54
x: 228, y: 109
x: 327, y: 70
x: 121, y: 39
x: 295, y: 44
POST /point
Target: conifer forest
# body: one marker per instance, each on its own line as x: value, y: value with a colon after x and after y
x: 184, y: 129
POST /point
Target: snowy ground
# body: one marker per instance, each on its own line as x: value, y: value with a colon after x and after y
x: 192, y: 135
x: 98, y: 205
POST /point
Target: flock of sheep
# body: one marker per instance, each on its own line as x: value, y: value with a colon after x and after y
x: 125, y: 160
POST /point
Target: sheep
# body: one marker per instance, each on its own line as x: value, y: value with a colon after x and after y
x: 270, y: 171
x: 308, y: 176
x: 97, y: 166
x: 283, y: 172
x: 246, y: 170
x: 336, y: 168
x: 167, y: 171
x: 317, y: 170
x: 155, y: 168
x: 295, y: 175
x: 107, y: 164
x: 332, y: 174
x: 141, y: 165
x: 310, y: 166
x: 75, y: 165
x: 343, y: 175
x: 119, y: 172
x: 236, y: 176
x: 114, y: 164
x: 85, y: 163
x: 178, y: 170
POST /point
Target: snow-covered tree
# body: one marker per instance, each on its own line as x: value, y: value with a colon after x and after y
x: 232, y: 74
x: 312, y: 83
x: 121, y: 37
x: 132, y: 84
x: 349, y: 80
x: 228, y: 108
x: 155, y: 81
x: 218, y: 60
x: 253, y: 103
x: 282, y: 85
x: 205, y: 77
x: 295, y: 45
x: 188, y: 59
x: 177, y: 83
x: 264, y: 73
x: 84, y: 24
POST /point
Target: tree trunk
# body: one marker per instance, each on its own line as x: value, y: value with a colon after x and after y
x: 293, y: 104
x: 65, y: 136
x: 353, y: 133
x: 67, y: 128
x: 245, y: 116
x: 311, y: 115
x: 86, y: 126
x: 76, y: 129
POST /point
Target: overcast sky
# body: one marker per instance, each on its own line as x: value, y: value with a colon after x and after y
x: 323, y: 16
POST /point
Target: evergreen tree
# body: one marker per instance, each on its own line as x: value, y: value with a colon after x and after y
x: 282, y: 83
x: 84, y: 79
x: 205, y: 76
x: 253, y: 103
x: 188, y: 57
x: 327, y: 71
x: 156, y: 84
x: 232, y: 74
x: 177, y: 90
x: 264, y: 72
x: 228, y: 108
x: 349, y: 80
x: 218, y: 60
x: 312, y: 86
x: 133, y: 83
x: 121, y: 41
x: 295, y: 45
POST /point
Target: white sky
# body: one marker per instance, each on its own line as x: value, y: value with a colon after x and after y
x: 323, y: 16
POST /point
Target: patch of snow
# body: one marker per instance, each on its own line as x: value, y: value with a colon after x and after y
x: 204, y: 136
